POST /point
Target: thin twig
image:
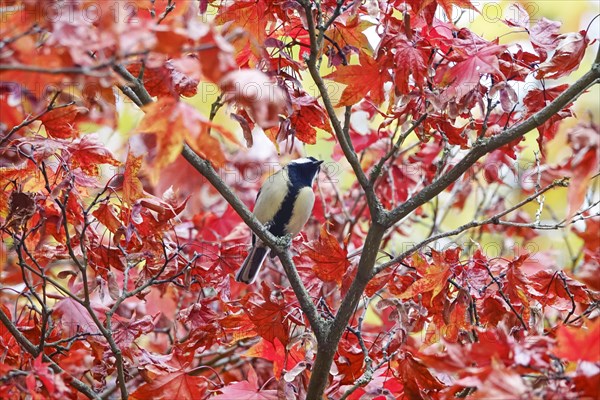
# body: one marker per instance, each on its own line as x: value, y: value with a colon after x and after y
x: 487, y: 145
x: 30, y: 119
x: 33, y: 350
x: 473, y: 224
x: 504, y: 297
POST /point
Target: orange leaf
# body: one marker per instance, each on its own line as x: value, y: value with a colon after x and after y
x: 132, y: 186
x: 106, y: 215
x: 217, y: 59
x: 350, y: 32
x: 209, y: 148
x: 173, y: 122
x: 331, y: 260
x: 239, y: 326
x: 159, y: 121
x: 252, y: 16
x: 11, y: 116
x: 434, y: 280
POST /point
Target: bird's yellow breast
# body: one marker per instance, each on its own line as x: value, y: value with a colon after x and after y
x: 302, y: 210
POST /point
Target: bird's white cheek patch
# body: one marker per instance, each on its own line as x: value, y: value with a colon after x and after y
x: 302, y: 210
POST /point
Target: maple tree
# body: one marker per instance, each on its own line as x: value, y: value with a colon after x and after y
x: 430, y: 268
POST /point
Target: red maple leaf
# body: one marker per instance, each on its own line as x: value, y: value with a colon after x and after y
x: 349, y: 360
x: 472, y: 62
x: 576, y: 344
x: 308, y: 115
x: 269, y: 315
x: 283, y: 359
x: 74, y: 317
x: 409, y: 60
x: 88, y: 153
x: 567, y: 56
x: 416, y: 377
x: 42, y: 372
x: 360, y: 80
x: 434, y: 279
x: 126, y: 330
x: 331, y: 260
x: 172, y: 78
x: 544, y: 35
x: 583, y: 164
x: 359, y: 141
x: 174, y: 382
x: 535, y: 100
x: 60, y: 123
x: 558, y: 290
x: 519, y: 288
x: 519, y: 19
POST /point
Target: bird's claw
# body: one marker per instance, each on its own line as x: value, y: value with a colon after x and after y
x: 285, y: 241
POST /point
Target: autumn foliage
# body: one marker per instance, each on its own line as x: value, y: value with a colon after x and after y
x: 454, y: 248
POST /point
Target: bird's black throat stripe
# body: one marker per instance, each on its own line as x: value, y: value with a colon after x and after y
x: 284, y: 214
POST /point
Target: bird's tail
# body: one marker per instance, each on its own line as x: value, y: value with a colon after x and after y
x: 249, y: 270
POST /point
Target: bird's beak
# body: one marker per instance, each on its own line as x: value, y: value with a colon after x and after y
x: 318, y: 162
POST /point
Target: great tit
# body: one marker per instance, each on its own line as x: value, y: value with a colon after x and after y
x: 283, y: 204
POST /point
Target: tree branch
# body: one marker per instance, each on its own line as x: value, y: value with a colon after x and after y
x: 327, y: 349
x: 375, y: 171
x: 33, y: 350
x: 486, y: 146
x: 473, y: 224
x: 136, y: 85
x: 341, y: 133
x: 277, y: 245
x: 106, y: 331
x: 30, y: 119
x: 505, y: 297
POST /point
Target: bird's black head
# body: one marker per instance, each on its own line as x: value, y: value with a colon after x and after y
x: 303, y: 171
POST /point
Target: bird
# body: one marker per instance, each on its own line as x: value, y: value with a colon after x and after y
x: 283, y: 205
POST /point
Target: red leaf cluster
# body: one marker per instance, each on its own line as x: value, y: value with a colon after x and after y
x: 117, y: 257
